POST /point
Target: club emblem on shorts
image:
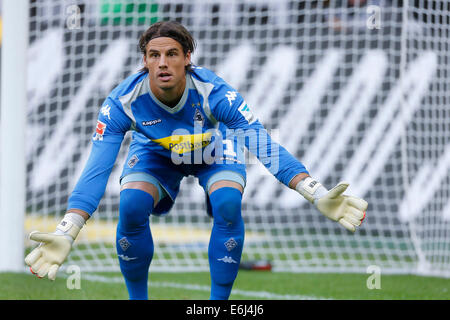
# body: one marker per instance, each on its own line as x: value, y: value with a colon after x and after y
x: 133, y: 160
x: 230, y: 244
x: 198, y: 118
x: 124, y: 244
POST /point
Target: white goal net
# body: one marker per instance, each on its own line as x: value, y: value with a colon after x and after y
x: 356, y: 90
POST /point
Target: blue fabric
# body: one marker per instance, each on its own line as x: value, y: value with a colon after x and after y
x: 225, y: 175
x: 145, y: 177
x: 208, y: 105
x: 91, y: 187
x: 169, y: 175
x: 226, y: 242
x: 134, y: 241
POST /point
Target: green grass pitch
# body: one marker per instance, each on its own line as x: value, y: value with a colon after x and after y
x: 250, y: 285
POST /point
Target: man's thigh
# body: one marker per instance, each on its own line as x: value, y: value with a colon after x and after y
x: 225, y: 183
x: 150, y: 188
x: 155, y: 174
x: 215, y: 176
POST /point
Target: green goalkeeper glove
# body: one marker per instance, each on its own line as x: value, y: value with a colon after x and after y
x: 54, y: 247
x: 349, y: 211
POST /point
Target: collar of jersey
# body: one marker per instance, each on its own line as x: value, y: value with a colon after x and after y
x: 179, y: 105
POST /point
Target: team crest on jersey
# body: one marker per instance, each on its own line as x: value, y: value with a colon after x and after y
x: 198, y: 118
x: 99, y: 130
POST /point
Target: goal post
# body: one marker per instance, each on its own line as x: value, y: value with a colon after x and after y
x: 12, y: 133
x: 356, y: 90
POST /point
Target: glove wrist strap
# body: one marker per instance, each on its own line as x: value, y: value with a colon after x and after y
x: 70, y: 225
x: 311, y: 189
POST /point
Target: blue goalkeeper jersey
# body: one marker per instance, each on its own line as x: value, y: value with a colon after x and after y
x: 209, y: 110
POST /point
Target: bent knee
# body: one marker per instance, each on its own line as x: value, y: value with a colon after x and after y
x: 226, y: 204
x: 135, y: 208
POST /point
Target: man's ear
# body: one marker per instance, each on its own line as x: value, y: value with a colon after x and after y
x: 187, y: 59
x: 144, y: 60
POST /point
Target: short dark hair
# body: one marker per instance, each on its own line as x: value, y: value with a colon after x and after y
x: 170, y: 29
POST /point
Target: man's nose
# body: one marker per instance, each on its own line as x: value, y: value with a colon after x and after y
x: 162, y: 61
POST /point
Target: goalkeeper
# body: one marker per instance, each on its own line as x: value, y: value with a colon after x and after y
x: 185, y: 121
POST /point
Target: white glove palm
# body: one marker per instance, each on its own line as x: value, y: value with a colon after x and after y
x: 54, y: 247
x: 49, y: 255
x: 349, y: 211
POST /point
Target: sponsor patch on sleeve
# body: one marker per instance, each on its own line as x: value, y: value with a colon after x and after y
x: 99, y: 130
x: 246, y: 112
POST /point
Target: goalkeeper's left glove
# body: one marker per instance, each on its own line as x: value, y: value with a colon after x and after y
x: 349, y: 211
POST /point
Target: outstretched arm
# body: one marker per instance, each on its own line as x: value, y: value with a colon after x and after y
x: 349, y: 211
x: 55, y: 247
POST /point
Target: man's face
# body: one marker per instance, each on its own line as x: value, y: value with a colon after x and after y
x: 166, y: 63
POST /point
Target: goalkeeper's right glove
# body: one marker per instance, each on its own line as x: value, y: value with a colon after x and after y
x: 349, y: 211
x: 54, y: 247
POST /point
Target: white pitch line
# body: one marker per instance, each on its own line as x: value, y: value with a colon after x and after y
x: 203, y: 288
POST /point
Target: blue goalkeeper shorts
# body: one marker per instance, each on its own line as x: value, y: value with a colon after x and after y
x: 144, y: 164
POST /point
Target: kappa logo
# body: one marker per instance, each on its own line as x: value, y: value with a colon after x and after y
x: 126, y: 258
x: 105, y: 110
x: 227, y: 259
x: 231, y: 96
x: 151, y: 122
